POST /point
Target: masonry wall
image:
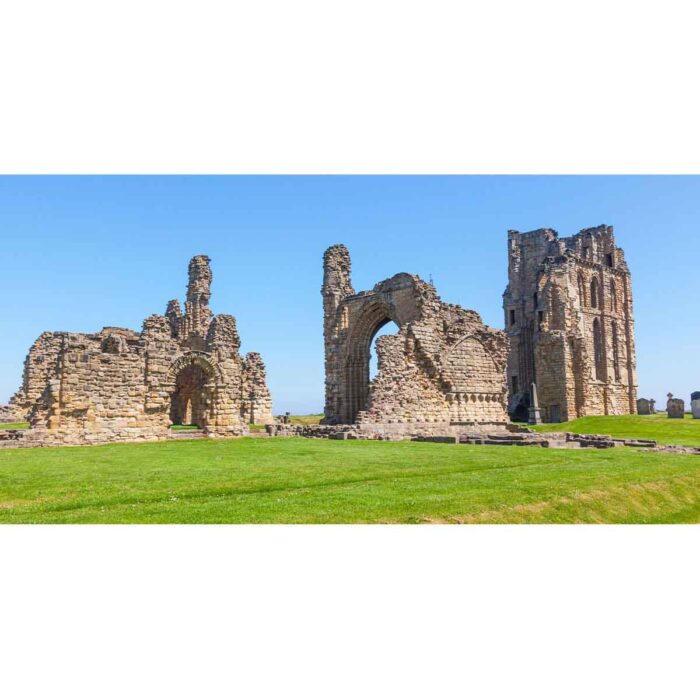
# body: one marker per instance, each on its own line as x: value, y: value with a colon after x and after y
x: 119, y: 385
x: 443, y: 365
x: 569, y: 317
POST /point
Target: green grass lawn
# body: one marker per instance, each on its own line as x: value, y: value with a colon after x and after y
x: 296, y: 480
x: 311, y: 419
x: 14, y: 426
x: 667, y: 431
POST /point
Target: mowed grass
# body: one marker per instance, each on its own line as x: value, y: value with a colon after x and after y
x: 14, y: 426
x: 667, y: 431
x: 296, y: 480
x: 311, y: 419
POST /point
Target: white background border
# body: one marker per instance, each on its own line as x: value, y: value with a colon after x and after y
x: 362, y: 87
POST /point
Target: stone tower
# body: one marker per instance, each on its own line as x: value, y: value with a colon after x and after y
x: 569, y: 318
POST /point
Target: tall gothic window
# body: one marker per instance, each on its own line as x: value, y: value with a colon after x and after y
x: 598, y: 350
x: 581, y: 289
x: 595, y: 293
x: 616, y: 352
x: 613, y: 295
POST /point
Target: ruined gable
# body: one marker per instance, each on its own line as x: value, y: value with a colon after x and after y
x: 119, y: 384
x: 444, y: 365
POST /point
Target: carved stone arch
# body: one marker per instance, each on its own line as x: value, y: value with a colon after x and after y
x: 202, y: 360
x: 357, y: 355
x: 192, y: 382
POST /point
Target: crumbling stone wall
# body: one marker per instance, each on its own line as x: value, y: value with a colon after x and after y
x: 444, y: 365
x: 122, y: 385
x: 256, y: 404
x: 569, y: 318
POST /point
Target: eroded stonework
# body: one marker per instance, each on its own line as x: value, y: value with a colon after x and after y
x: 568, y: 312
x: 443, y: 366
x: 118, y: 384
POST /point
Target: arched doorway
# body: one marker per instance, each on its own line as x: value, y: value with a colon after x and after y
x: 190, y: 402
x: 357, y: 364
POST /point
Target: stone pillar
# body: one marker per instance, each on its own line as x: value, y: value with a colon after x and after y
x: 534, y: 415
x: 336, y: 287
x: 197, y: 314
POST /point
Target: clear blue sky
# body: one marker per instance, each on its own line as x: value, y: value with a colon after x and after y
x: 84, y: 252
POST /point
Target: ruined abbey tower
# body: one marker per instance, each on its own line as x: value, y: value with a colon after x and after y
x: 182, y: 368
x: 568, y: 314
x: 444, y: 366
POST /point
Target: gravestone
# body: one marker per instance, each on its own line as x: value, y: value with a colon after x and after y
x: 643, y: 407
x: 675, y: 407
x: 695, y: 404
x: 652, y: 406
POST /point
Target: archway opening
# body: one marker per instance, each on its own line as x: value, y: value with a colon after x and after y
x: 388, y: 328
x: 359, y: 356
x: 188, y: 401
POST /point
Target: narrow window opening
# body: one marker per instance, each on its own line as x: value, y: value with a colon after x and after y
x: 598, y: 350
x: 613, y: 295
x: 616, y: 353
x: 594, y: 293
x: 581, y: 290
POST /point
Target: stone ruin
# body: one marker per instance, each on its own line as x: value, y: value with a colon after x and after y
x: 695, y: 404
x: 443, y: 367
x: 646, y: 407
x: 569, y: 319
x: 675, y: 408
x: 119, y: 385
x: 569, y: 339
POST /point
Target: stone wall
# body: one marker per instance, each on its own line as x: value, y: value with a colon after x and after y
x: 569, y: 318
x: 443, y: 365
x: 119, y: 385
x: 256, y: 398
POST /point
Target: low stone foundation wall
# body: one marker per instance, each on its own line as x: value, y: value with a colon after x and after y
x: 389, y: 431
x: 43, y: 437
x: 10, y: 438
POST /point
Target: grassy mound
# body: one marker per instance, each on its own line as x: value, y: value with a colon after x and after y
x: 293, y: 480
x: 667, y: 431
